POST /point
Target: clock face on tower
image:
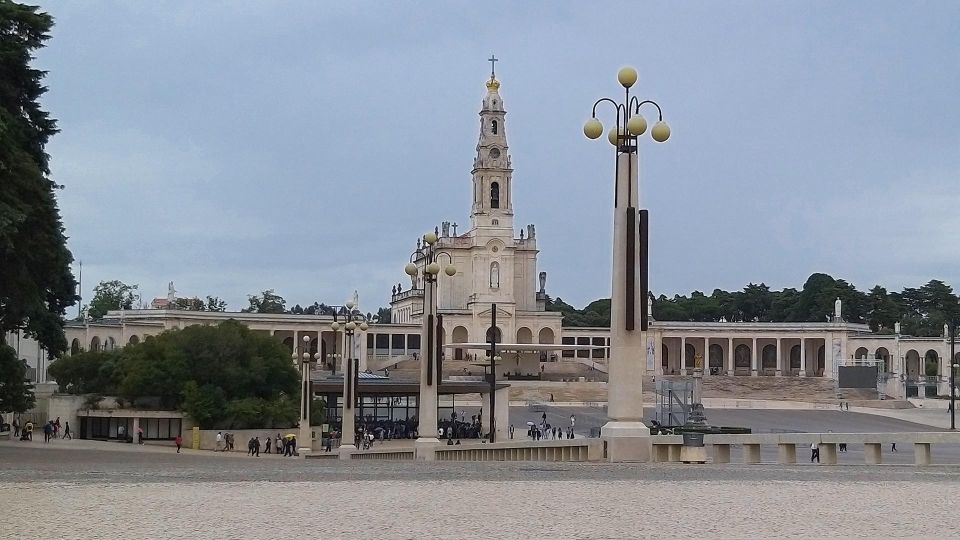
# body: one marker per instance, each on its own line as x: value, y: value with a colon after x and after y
x: 494, y: 153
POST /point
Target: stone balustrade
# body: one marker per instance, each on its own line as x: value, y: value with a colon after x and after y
x: 570, y: 450
x: 667, y: 448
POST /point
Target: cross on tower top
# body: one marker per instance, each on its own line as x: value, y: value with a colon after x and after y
x: 493, y: 61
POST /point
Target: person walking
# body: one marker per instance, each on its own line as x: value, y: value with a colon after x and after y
x: 266, y: 449
x: 66, y: 431
x: 179, y: 442
x: 47, y: 431
x: 893, y: 447
x: 16, y: 427
x: 814, y: 452
x: 219, y: 444
x: 278, y: 446
x: 250, y: 447
x: 139, y: 435
x: 511, y: 431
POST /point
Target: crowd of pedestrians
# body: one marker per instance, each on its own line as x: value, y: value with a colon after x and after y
x: 52, y: 430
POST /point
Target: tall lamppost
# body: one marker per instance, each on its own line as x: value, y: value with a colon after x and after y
x: 953, y: 375
x: 351, y: 369
x: 305, y: 438
x: 626, y: 437
x: 424, y: 261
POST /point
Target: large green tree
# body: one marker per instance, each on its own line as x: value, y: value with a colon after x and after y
x: 16, y: 392
x: 223, y: 376
x: 36, y: 284
x: 110, y: 295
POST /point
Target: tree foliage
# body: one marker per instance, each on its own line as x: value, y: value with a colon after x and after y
x: 920, y: 311
x: 36, y: 284
x: 16, y: 392
x: 266, y: 302
x: 223, y: 376
x: 212, y: 303
x: 111, y: 295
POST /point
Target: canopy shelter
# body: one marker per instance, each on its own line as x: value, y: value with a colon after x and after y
x: 383, y: 399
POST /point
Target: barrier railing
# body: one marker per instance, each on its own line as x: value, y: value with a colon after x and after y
x: 668, y: 448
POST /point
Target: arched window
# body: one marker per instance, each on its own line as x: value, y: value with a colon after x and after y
x: 495, y: 195
x: 494, y: 275
x: 493, y: 127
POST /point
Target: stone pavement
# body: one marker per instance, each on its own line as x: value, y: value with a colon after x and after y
x: 91, y: 494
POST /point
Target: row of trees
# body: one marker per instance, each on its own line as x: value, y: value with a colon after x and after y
x: 224, y: 377
x: 115, y: 294
x: 921, y: 311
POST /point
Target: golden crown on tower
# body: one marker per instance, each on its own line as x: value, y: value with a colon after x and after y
x: 493, y: 84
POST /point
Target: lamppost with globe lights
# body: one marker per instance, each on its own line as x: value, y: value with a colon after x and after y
x: 625, y: 435
x: 305, y: 438
x: 354, y: 321
x: 425, y: 261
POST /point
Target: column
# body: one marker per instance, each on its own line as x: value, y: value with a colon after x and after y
x: 305, y: 434
x: 683, y: 355
x: 753, y: 358
x: 803, y: 356
x: 730, y: 366
x: 625, y: 435
x: 296, y: 349
x: 348, y: 422
x: 779, y: 357
x: 706, y: 356
x: 427, y: 440
x: 134, y: 431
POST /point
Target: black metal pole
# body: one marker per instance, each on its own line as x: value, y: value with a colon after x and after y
x: 953, y: 376
x: 79, y: 289
x: 493, y: 368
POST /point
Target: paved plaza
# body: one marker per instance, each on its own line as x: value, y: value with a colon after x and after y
x: 64, y: 492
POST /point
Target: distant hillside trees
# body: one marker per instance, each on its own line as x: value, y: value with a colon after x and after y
x: 921, y: 311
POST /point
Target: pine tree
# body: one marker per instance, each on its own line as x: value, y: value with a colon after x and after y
x: 36, y: 284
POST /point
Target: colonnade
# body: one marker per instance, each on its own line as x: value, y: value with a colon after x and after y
x: 802, y: 356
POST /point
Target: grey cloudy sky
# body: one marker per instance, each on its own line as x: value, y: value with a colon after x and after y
x: 237, y: 146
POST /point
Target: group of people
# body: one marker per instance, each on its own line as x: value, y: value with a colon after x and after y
x: 285, y: 446
x: 546, y: 432
x: 51, y: 430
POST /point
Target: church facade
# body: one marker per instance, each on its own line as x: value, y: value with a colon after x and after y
x: 495, y: 265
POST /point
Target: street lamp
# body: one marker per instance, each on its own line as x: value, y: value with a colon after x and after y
x: 424, y: 261
x: 626, y: 435
x: 953, y: 375
x: 354, y: 321
x: 305, y: 439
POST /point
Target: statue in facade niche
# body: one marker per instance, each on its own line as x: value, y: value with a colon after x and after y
x: 836, y: 308
x: 543, y: 280
x: 521, y: 234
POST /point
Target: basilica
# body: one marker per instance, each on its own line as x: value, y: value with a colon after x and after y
x: 495, y: 265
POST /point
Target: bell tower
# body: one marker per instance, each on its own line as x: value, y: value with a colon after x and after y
x: 492, y: 175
